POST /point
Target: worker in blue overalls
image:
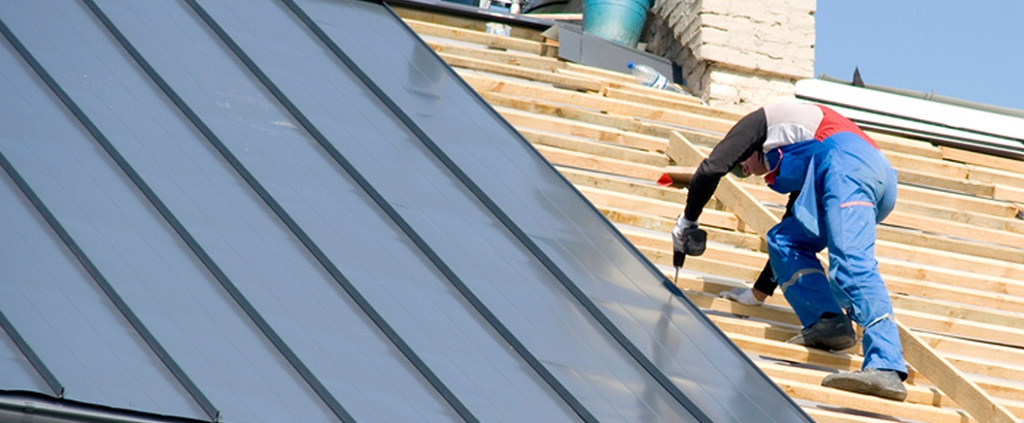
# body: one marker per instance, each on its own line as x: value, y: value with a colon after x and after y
x: 843, y: 186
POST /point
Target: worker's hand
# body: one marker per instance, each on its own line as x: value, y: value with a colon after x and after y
x: 687, y: 238
x: 742, y: 295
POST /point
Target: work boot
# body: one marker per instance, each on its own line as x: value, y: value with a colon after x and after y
x: 829, y: 334
x: 880, y: 383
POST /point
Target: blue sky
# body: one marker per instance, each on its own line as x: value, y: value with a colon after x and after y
x: 970, y: 50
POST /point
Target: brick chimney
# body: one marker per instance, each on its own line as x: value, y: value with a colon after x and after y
x: 737, y: 55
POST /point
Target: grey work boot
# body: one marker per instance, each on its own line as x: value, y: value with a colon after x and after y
x: 829, y: 334
x: 880, y: 383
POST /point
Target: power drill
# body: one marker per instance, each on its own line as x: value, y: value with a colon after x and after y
x: 695, y: 240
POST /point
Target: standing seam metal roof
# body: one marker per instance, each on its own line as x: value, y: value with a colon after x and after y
x: 294, y: 211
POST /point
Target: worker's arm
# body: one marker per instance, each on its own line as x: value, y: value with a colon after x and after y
x: 746, y: 137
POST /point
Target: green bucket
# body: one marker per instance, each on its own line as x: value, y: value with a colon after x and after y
x: 618, y: 21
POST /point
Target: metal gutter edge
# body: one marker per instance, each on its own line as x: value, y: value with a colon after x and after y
x: 941, y: 123
x: 931, y: 96
x: 30, y: 407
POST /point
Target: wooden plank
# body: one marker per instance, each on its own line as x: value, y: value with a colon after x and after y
x: 591, y: 116
x: 952, y: 277
x: 729, y: 191
x: 662, y: 98
x: 703, y: 264
x: 995, y: 176
x: 604, y: 198
x: 873, y: 405
x: 521, y: 119
x: 902, y: 162
x: 889, y: 142
x: 992, y: 368
x: 1009, y: 320
x: 562, y: 157
x: 984, y: 189
x: 948, y: 344
x: 552, y: 78
x: 463, y: 22
x: 586, y: 146
x: 595, y: 101
x: 973, y: 218
x: 976, y: 248
x: 963, y: 203
x: 613, y: 183
x: 951, y: 381
x: 553, y: 109
x: 654, y: 223
x: 617, y: 77
x: 917, y: 353
x: 623, y: 86
x: 981, y: 332
x: 951, y: 228
x: 950, y: 260
x: 505, y: 57
x: 980, y: 159
x: 957, y: 294
x: 1009, y: 193
x: 480, y: 37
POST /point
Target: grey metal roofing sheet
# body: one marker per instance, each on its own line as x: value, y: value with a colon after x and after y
x: 294, y: 211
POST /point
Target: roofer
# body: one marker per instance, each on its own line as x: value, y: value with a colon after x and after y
x: 841, y: 186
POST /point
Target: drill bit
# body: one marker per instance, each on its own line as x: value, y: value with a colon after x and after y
x: 673, y: 287
x: 677, y: 260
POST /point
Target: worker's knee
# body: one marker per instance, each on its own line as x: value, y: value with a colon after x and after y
x: 780, y: 238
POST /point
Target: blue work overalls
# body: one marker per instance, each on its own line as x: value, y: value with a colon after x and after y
x: 847, y: 186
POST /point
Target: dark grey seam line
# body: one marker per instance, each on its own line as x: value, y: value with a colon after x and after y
x: 98, y: 277
x: 51, y: 380
x: 268, y: 331
x: 496, y: 210
x: 414, y: 236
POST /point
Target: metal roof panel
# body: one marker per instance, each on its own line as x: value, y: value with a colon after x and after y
x: 279, y: 217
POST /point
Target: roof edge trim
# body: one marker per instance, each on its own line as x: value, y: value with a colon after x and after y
x: 931, y: 96
x: 942, y: 123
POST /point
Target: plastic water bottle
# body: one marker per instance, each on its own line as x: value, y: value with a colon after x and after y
x: 649, y: 77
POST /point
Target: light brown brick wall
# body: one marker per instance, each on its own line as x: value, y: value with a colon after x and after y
x: 736, y: 54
